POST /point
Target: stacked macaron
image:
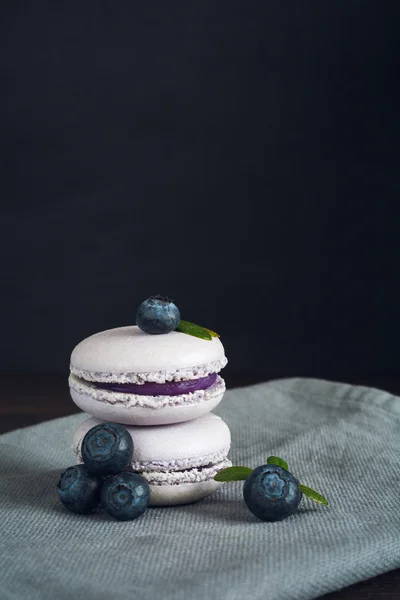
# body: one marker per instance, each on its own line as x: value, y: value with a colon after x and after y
x: 160, y: 379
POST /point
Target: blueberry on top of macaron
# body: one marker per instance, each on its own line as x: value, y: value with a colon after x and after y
x: 157, y: 315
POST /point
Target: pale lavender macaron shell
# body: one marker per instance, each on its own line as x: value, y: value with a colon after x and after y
x: 143, y: 415
x: 127, y: 350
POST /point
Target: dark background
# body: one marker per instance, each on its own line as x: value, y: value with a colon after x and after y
x: 240, y: 157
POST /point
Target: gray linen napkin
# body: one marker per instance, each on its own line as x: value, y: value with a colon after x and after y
x: 341, y: 440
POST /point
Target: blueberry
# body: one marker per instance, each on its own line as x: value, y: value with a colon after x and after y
x: 157, y: 315
x: 107, y: 449
x: 271, y: 493
x: 125, y: 496
x: 79, y: 490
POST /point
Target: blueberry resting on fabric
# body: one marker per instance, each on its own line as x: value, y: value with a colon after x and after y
x: 271, y: 493
x: 107, y: 449
x: 79, y: 490
x: 125, y: 496
x: 157, y: 315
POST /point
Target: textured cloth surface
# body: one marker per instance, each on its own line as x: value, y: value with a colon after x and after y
x: 341, y: 440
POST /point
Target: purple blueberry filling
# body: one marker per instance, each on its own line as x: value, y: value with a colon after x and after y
x: 171, y: 388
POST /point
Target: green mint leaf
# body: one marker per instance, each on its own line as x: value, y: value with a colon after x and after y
x: 233, y: 474
x: 211, y: 332
x: 275, y: 460
x: 194, y: 330
x: 313, y: 495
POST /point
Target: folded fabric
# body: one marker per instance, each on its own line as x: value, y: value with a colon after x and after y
x: 341, y: 440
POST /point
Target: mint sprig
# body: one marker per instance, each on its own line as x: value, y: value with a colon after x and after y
x: 313, y: 495
x: 212, y: 333
x: 275, y: 460
x: 242, y: 473
x: 233, y: 474
x: 196, y: 330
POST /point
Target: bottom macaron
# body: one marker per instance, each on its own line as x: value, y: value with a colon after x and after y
x: 178, y: 461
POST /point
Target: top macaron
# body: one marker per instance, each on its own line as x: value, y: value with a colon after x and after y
x: 129, y: 376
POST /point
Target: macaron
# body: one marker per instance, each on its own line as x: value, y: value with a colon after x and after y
x: 127, y: 376
x: 178, y: 461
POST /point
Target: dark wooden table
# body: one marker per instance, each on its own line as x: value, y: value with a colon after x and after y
x: 26, y: 400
